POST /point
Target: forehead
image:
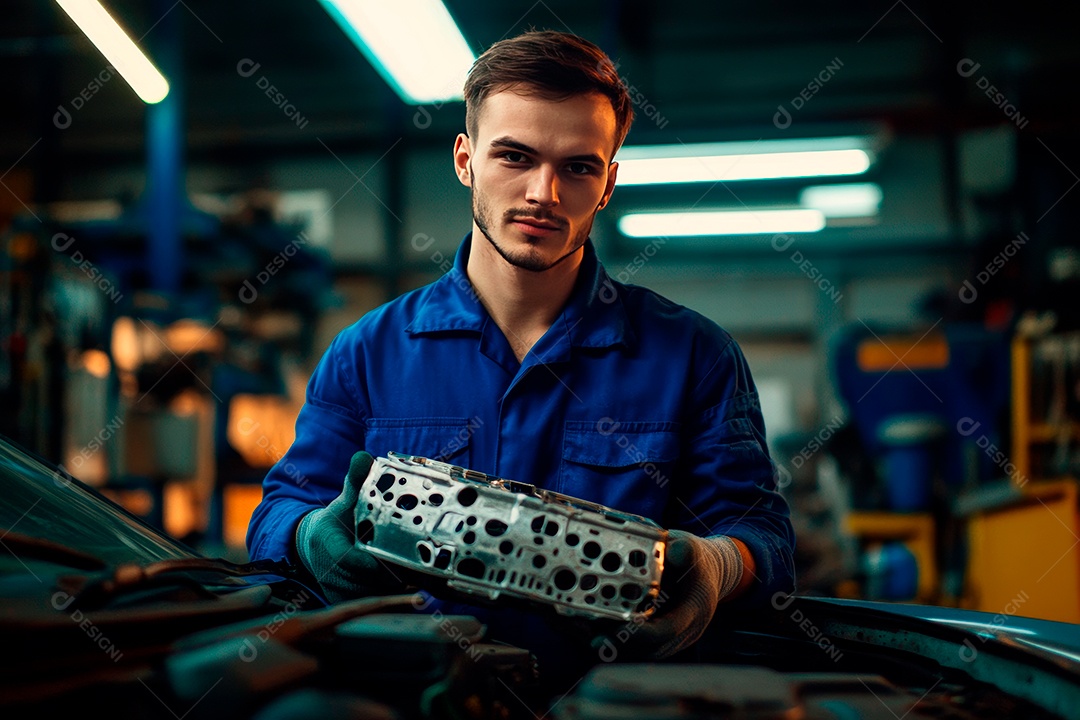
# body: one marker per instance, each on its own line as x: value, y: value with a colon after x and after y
x: 577, y: 125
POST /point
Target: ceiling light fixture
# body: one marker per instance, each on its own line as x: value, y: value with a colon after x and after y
x: 724, y: 222
x: 848, y: 200
x: 414, y: 44
x: 121, y: 52
x: 727, y: 162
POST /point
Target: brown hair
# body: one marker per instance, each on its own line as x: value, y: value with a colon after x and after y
x: 553, y: 65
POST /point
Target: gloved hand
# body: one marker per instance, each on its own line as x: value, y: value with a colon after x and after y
x: 325, y: 544
x: 698, y: 574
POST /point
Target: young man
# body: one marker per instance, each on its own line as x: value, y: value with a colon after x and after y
x: 526, y: 361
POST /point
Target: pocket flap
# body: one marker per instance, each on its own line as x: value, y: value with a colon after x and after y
x: 608, y: 443
x: 434, y: 438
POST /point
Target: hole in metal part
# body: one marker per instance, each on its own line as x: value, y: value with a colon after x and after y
x: 565, y: 580
x: 467, y: 496
x: 495, y: 528
x: 365, y: 531
x: 442, y: 559
x: 631, y: 592
x: 506, y: 547
x: 472, y: 567
x: 435, y: 499
x: 572, y: 539
x: 424, y: 552
x: 408, y: 502
x: 588, y: 582
x: 608, y: 591
x: 469, y: 538
x: 636, y: 559
x: 539, y: 561
x: 591, y: 549
x: 611, y: 562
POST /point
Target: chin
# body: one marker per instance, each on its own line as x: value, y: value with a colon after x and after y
x: 531, y: 261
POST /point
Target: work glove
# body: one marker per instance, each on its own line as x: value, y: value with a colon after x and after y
x: 698, y: 574
x: 326, y: 545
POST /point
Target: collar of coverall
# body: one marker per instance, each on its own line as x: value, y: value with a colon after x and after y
x: 594, y: 317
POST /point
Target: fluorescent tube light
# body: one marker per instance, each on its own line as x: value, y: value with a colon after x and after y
x: 850, y: 200
x: 118, y: 49
x: 733, y: 222
x: 414, y: 44
x: 763, y: 160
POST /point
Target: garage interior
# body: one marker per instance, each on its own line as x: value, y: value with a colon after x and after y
x: 173, y: 270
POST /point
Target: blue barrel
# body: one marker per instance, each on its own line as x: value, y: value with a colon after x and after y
x: 908, y: 478
x: 892, y: 573
x: 906, y: 444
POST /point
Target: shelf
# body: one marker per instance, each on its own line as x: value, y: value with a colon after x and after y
x: 879, y: 525
x: 1024, y: 556
x: 916, y: 530
x: 1047, y: 432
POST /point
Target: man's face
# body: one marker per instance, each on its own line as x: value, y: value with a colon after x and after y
x: 539, y: 172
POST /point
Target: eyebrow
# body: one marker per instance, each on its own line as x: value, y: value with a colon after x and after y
x: 507, y: 141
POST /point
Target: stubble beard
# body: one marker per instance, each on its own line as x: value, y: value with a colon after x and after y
x: 529, y: 259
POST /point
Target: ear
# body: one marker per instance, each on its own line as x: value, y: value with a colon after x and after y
x: 610, y: 188
x: 462, y: 155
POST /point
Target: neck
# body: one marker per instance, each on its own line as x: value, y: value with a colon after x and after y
x: 522, y: 303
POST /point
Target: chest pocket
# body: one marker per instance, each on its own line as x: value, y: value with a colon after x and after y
x: 436, y: 438
x: 628, y: 466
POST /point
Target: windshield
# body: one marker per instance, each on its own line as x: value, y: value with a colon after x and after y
x: 43, y: 502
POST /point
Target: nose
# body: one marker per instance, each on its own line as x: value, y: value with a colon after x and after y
x: 543, y: 187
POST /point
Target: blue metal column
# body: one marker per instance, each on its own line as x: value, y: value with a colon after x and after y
x: 164, y: 142
x: 165, y: 192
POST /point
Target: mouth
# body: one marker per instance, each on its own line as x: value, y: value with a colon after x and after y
x: 535, y: 227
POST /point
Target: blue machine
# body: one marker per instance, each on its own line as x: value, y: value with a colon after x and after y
x: 907, y: 412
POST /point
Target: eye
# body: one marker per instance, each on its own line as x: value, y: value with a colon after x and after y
x: 580, y: 168
x: 513, y: 156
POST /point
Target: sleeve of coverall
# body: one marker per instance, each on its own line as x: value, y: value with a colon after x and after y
x: 728, y: 485
x: 329, y: 429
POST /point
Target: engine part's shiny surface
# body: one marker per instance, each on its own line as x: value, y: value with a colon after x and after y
x: 492, y: 537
